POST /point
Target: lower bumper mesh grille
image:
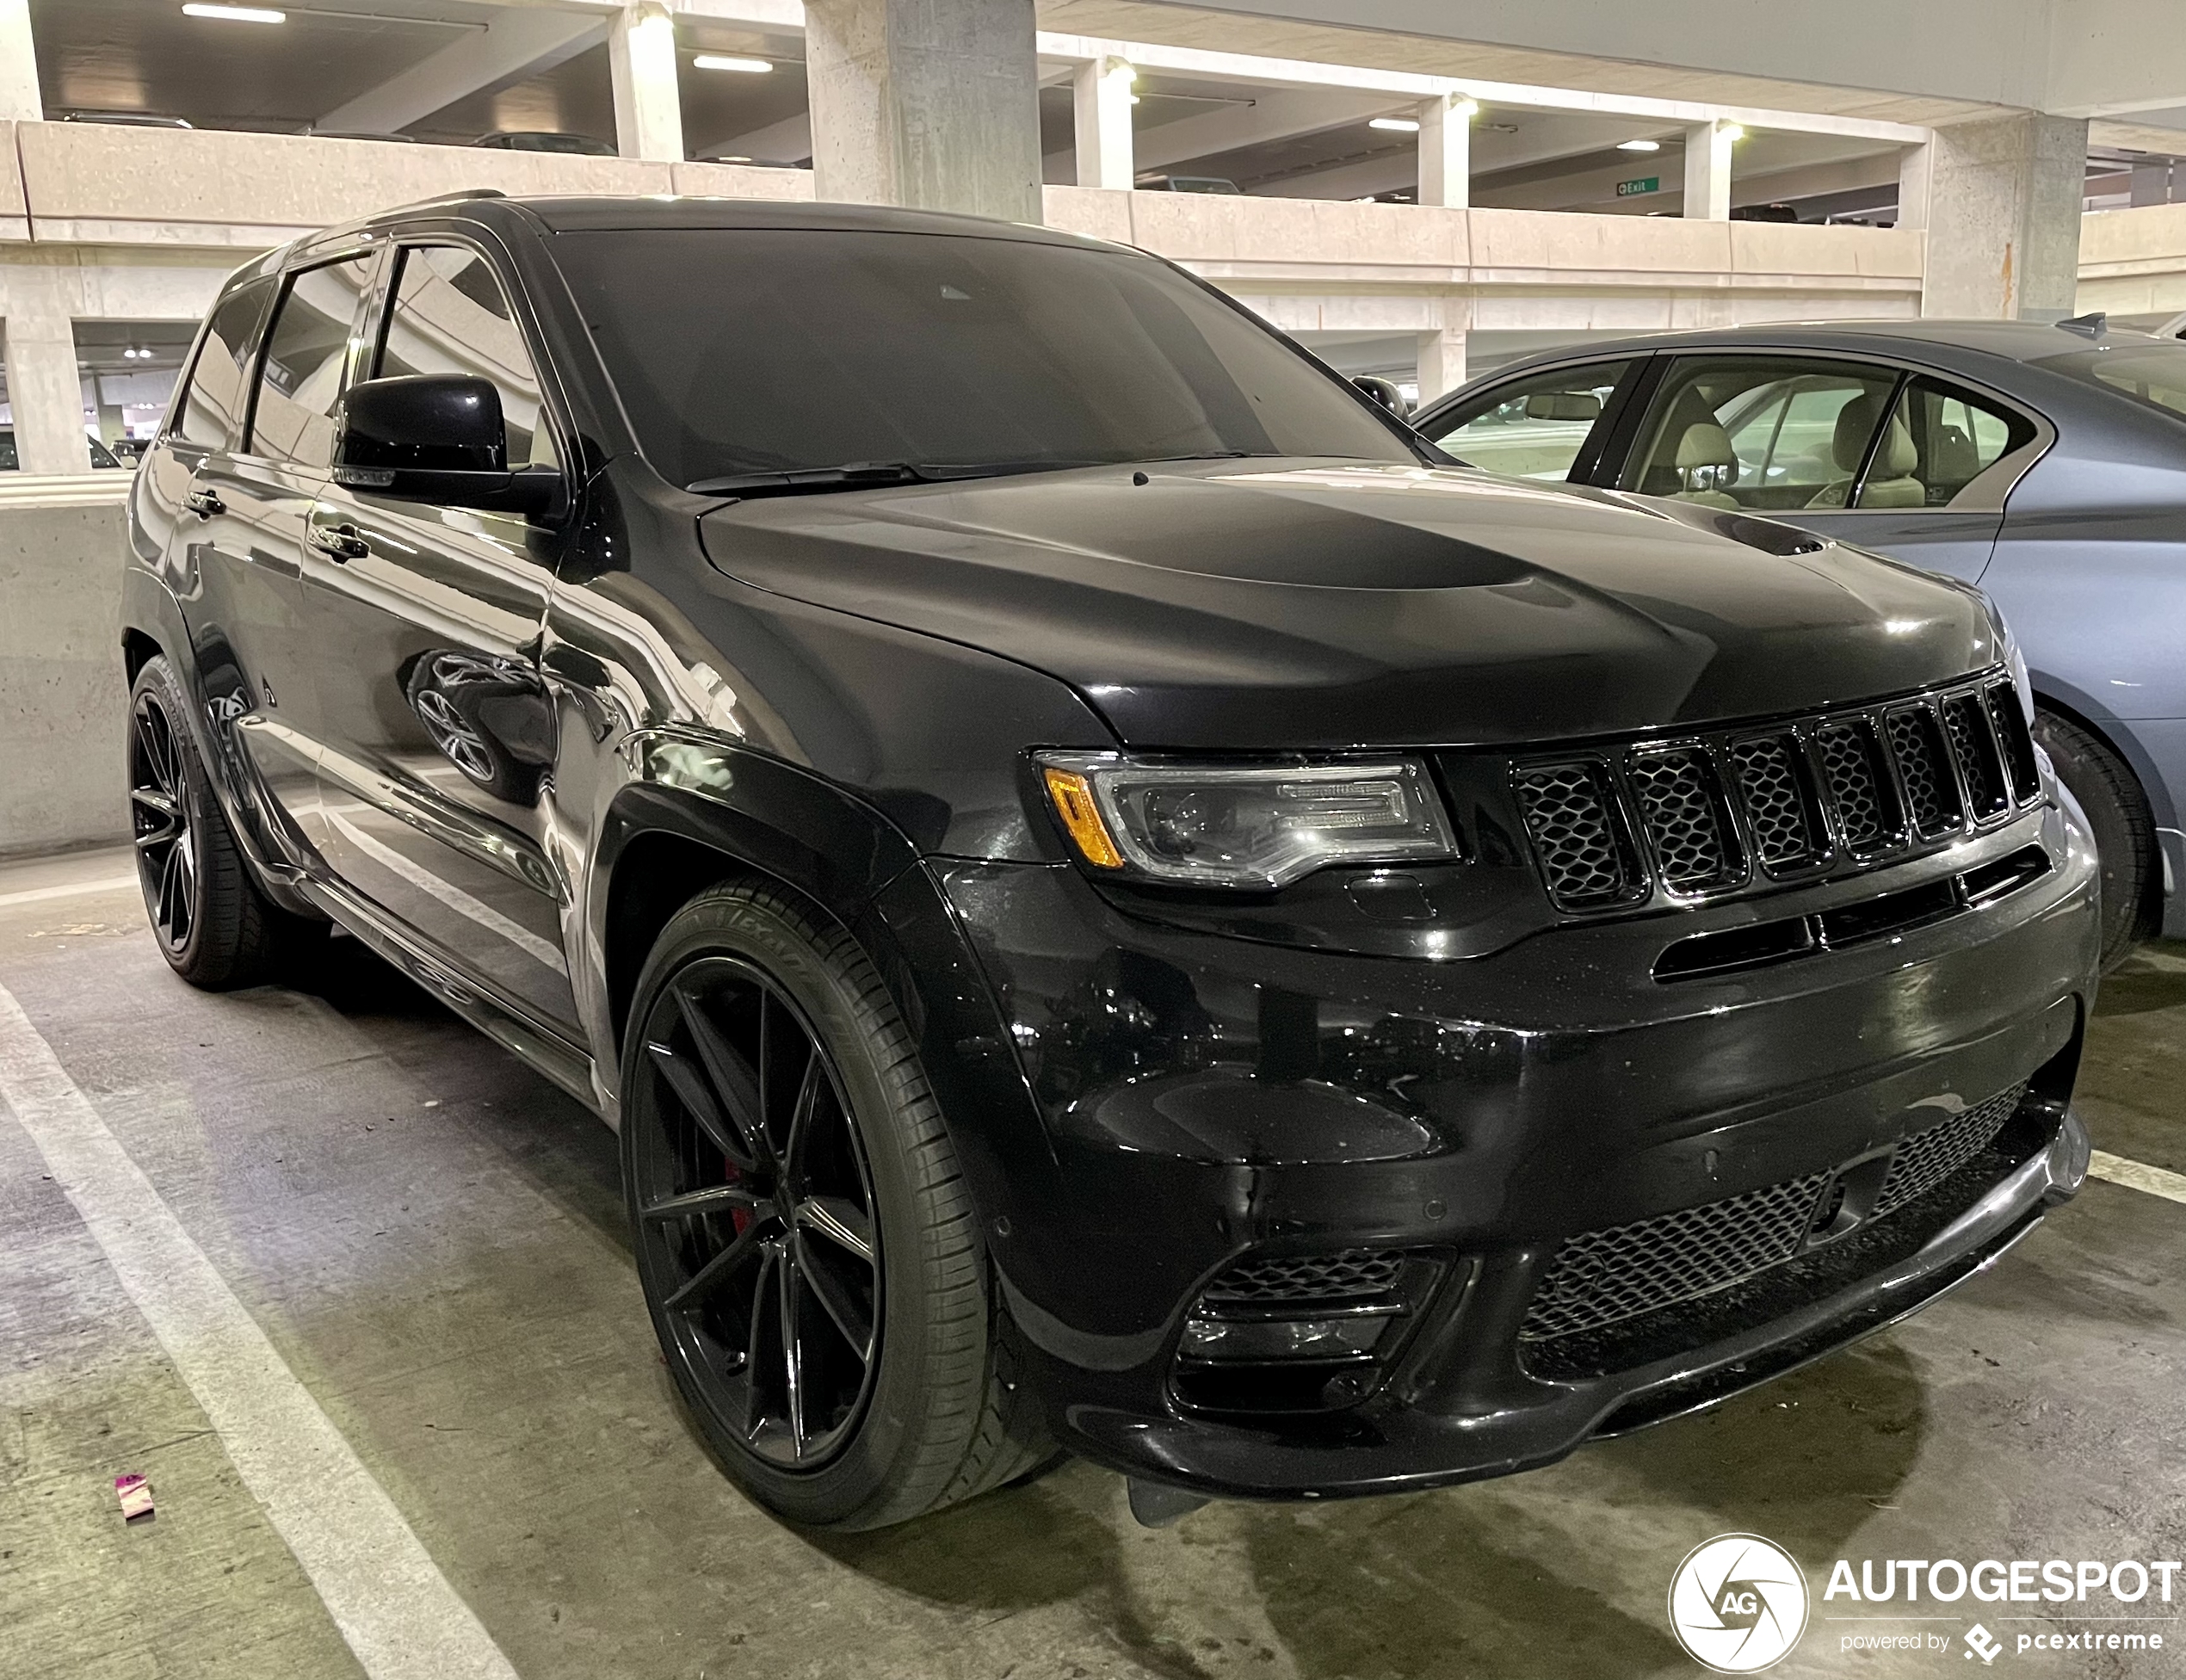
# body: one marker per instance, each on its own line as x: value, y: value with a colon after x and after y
x: 1600, y: 1277
x: 1310, y: 1277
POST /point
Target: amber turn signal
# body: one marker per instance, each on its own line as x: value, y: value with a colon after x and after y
x: 1073, y: 797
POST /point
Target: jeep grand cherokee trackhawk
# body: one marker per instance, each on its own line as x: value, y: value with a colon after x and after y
x: 1118, y: 903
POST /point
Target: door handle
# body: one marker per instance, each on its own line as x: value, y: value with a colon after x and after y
x: 339, y: 543
x: 204, y: 504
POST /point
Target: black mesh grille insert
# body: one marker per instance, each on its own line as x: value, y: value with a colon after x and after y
x: 1600, y: 1277
x: 1931, y: 790
x: 1356, y: 1272
x: 1926, y: 1159
x: 1778, y: 810
x: 1978, y: 762
x: 1683, y: 815
x: 1567, y: 812
x: 1866, y: 810
x: 2010, y: 721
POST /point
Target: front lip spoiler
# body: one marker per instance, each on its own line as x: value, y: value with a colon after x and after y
x: 1405, y: 1450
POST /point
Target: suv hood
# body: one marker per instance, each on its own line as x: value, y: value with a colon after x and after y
x: 1280, y: 605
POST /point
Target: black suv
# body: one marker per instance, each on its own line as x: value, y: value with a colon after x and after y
x: 1118, y: 901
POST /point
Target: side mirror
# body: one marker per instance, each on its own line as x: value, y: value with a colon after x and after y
x: 439, y: 438
x: 1563, y: 405
x: 1384, y: 392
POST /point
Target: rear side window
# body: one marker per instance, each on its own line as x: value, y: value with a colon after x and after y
x: 1763, y: 434
x: 300, y: 376
x: 211, y: 408
x: 1535, y: 427
x: 2150, y: 373
x: 1940, y: 439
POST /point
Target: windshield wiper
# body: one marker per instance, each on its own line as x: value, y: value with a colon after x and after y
x: 866, y: 475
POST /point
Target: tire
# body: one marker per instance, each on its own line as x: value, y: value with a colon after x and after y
x: 2125, y: 832
x: 771, y: 1091
x: 215, y: 926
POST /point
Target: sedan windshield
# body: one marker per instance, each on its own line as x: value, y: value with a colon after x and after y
x: 766, y: 350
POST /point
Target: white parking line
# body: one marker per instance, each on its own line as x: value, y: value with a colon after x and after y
x: 401, y: 1619
x: 2135, y: 1176
x: 33, y: 895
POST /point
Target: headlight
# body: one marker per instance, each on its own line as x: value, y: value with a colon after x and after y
x: 1216, y: 826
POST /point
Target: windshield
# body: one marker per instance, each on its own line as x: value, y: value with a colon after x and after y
x: 748, y: 350
x: 2152, y: 374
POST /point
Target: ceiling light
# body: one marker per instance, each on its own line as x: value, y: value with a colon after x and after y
x: 235, y: 14
x: 1396, y: 125
x: 735, y: 158
x: 1638, y: 145
x: 721, y: 61
x: 1732, y: 131
x: 1465, y: 109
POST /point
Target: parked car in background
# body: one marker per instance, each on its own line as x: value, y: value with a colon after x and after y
x: 101, y: 456
x: 1187, y: 183
x: 2045, y: 463
x: 533, y: 139
x: 1116, y: 899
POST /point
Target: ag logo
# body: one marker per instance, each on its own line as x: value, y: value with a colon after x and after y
x: 1738, y: 1603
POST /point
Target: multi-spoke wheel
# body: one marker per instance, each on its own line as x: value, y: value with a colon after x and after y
x: 812, y: 1263
x: 215, y: 928
x: 160, y: 814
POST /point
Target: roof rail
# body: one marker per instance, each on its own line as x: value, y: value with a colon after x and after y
x: 468, y: 193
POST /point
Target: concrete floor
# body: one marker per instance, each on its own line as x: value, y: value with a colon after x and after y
x: 432, y: 1239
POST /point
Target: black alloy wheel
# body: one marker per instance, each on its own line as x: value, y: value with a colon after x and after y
x: 813, y: 1261
x: 159, y: 817
x: 215, y: 925
x: 755, y: 1208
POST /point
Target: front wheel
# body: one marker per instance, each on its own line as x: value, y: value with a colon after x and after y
x: 2125, y: 834
x: 808, y: 1249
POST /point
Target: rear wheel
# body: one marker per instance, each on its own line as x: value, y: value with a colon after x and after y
x: 2125, y: 832
x: 214, y: 927
x: 808, y: 1249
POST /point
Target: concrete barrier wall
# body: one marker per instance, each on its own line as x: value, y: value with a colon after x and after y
x: 62, y: 699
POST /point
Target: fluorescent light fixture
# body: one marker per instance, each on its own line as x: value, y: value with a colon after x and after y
x: 1135, y: 99
x: 1396, y: 125
x: 722, y: 61
x: 738, y: 158
x: 1638, y: 145
x: 1465, y: 109
x: 235, y: 14
x: 1732, y: 131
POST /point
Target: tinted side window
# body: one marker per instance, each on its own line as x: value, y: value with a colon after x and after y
x: 210, y: 410
x: 451, y: 316
x: 1535, y: 427
x: 1767, y: 433
x: 302, y: 375
x: 1952, y: 437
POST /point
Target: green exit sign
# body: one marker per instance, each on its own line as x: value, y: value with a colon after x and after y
x: 1646, y: 184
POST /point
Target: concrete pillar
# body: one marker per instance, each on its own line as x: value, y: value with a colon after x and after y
x: 641, y: 59
x: 1441, y: 362
x: 1916, y: 171
x: 1446, y: 152
x: 45, y: 392
x: 19, y: 97
x: 1708, y: 170
x: 2004, y: 217
x: 2151, y: 181
x: 932, y: 103
x: 1100, y: 95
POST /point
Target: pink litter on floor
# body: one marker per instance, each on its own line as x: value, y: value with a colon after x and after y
x: 135, y: 1494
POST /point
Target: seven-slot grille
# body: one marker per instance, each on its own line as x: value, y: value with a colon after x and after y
x: 1612, y: 827
x: 1601, y: 1277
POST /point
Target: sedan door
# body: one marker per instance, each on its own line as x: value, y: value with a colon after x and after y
x: 436, y: 737
x: 1878, y: 456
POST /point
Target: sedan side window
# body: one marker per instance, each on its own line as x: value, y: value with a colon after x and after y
x: 1951, y: 437
x: 291, y: 416
x: 1535, y: 427
x: 1765, y: 434
x: 451, y: 316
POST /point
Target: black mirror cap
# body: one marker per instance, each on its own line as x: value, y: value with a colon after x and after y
x: 1385, y: 392
x: 439, y: 422
x: 438, y: 438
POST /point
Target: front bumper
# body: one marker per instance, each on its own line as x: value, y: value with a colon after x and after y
x: 1203, y: 1099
